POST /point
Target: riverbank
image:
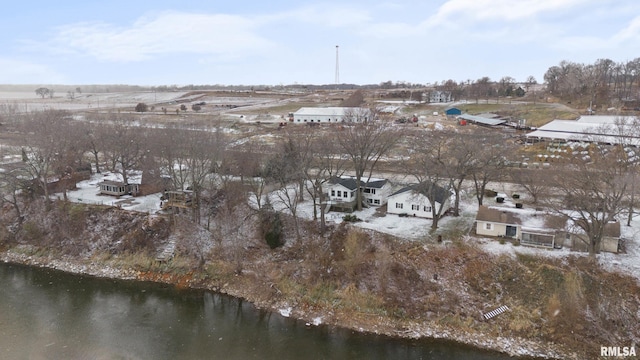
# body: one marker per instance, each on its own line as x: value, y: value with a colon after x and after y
x: 519, y: 347
x: 345, y: 276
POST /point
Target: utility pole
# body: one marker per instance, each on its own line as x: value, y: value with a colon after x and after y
x: 337, y: 67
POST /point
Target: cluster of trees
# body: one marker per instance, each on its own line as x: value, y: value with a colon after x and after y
x: 484, y: 88
x: 601, y: 82
x: 56, y: 146
x: 595, y: 189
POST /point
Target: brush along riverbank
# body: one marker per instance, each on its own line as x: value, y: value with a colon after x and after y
x: 348, y: 277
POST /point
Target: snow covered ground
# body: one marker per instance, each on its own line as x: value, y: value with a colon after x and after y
x: 88, y: 192
x: 411, y: 228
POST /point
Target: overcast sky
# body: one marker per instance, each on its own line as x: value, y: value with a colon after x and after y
x: 164, y: 42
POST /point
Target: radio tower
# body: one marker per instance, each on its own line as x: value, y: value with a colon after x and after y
x: 337, y: 67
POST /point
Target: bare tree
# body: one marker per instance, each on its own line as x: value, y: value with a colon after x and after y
x: 428, y: 164
x: 457, y: 160
x: 92, y: 136
x: 625, y: 133
x: 124, y: 146
x: 326, y: 162
x: 365, y: 144
x: 590, y: 192
x: 12, y: 183
x: 533, y: 181
x: 189, y: 157
x: 47, y: 140
x: 492, y: 152
x: 530, y: 84
x: 282, y: 173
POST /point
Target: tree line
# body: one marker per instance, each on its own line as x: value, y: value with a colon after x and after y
x: 603, y: 82
x: 595, y: 188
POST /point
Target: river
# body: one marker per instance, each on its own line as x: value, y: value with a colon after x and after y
x: 47, y: 314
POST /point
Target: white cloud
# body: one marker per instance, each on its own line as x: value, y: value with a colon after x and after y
x: 503, y: 10
x: 338, y: 16
x: 629, y: 33
x: 164, y: 33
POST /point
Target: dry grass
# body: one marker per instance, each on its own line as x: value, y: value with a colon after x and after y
x: 358, y: 274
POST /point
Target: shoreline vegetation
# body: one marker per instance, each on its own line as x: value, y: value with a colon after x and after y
x: 346, y: 277
x: 519, y: 347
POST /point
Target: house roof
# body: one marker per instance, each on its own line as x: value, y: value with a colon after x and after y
x: 440, y: 194
x: 350, y: 182
x: 112, y: 183
x: 611, y: 229
x: 493, y: 215
x: 376, y: 184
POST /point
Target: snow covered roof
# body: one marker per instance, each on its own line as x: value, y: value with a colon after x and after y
x: 441, y: 194
x: 321, y: 111
x: 112, y: 183
x: 601, y: 129
x: 494, y: 215
x: 529, y: 220
x: 611, y: 229
x: 603, y: 119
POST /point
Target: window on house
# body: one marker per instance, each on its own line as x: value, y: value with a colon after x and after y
x: 427, y: 208
x: 345, y: 194
x: 369, y: 201
x: 415, y: 207
x: 376, y: 201
x: 333, y: 193
x: 399, y: 205
x: 487, y: 226
x: 367, y: 190
x: 373, y: 191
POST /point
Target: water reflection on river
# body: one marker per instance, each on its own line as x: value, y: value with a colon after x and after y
x: 47, y: 314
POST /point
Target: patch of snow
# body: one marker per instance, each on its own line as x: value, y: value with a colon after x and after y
x: 286, y: 312
x: 88, y: 192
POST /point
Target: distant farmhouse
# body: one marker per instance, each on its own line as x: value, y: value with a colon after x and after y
x: 438, y: 96
x: 330, y: 115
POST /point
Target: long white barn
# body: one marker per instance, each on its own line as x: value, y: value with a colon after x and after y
x: 329, y: 115
x: 601, y: 129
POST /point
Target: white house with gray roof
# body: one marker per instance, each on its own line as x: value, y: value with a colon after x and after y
x: 412, y: 200
x: 341, y: 192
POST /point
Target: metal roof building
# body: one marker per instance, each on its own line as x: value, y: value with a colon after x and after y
x: 600, y: 129
x: 481, y: 120
x: 327, y: 114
